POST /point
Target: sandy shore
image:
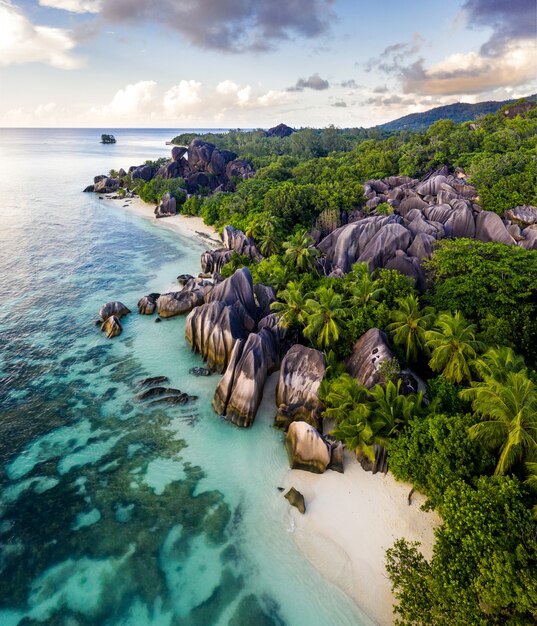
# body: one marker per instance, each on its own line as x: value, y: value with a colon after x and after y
x: 350, y: 521
x: 187, y: 226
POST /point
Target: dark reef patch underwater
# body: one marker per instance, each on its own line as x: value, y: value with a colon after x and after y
x: 114, y: 511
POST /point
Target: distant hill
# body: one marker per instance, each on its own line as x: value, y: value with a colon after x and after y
x: 459, y: 112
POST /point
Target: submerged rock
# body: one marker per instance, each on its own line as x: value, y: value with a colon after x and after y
x: 158, y: 391
x: 306, y: 449
x: 297, y: 393
x: 153, y: 380
x: 199, y: 371
x: 296, y: 499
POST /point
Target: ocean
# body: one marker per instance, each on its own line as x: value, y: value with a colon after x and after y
x: 114, y: 511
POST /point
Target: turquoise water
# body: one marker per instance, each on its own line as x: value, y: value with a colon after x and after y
x: 112, y: 511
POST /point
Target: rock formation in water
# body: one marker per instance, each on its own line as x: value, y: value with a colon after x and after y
x: 113, y: 308
x: 112, y: 326
x: 192, y: 294
x: 240, y: 390
x: 148, y: 304
x: 306, y: 449
x: 297, y: 393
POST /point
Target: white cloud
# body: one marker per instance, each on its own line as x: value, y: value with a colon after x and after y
x: 180, y: 99
x: 74, y: 6
x: 23, y: 42
x: 130, y: 103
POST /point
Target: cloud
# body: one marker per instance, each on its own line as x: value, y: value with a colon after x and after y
x: 23, y: 42
x: 349, y: 84
x: 189, y: 100
x: 227, y: 25
x: 131, y: 102
x: 510, y: 20
x: 339, y: 104
x: 473, y: 72
x: 395, y: 56
x: 74, y: 6
x: 313, y: 82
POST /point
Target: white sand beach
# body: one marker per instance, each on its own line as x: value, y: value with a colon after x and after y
x: 350, y: 521
x: 185, y: 225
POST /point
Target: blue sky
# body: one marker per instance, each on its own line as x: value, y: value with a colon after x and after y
x: 246, y: 63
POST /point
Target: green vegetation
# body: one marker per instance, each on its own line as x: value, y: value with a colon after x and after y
x: 470, y: 443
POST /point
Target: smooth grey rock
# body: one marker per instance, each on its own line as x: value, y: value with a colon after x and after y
x: 367, y: 356
x: 422, y: 246
x: 179, y: 302
x: 113, y: 308
x: 524, y: 214
x: 297, y: 393
x: 382, y: 246
x: 489, y: 227
x: 306, y: 449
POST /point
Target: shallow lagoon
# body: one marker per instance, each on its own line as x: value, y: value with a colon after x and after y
x: 114, y: 511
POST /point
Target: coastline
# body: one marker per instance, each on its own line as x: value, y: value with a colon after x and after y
x: 350, y: 521
x: 185, y: 225
x: 351, y: 518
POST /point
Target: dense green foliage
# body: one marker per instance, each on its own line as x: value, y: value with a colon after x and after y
x: 493, y: 285
x: 153, y: 191
x: 484, y: 563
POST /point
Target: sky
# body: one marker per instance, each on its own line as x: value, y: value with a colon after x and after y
x: 256, y: 63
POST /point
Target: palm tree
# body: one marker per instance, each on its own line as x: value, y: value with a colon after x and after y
x: 299, y: 251
x: 292, y: 308
x: 347, y: 402
x: 324, y: 317
x: 363, y: 289
x: 392, y: 410
x: 453, y: 345
x: 498, y: 362
x: 409, y: 326
x: 263, y: 230
x: 509, y: 412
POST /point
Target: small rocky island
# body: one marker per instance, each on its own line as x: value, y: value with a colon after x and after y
x: 108, y: 138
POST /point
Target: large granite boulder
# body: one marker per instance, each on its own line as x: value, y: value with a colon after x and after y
x: 214, y: 260
x: 212, y: 330
x: 173, y: 169
x: 113, y: 308
x: 240, y: 168
x: 367, y: 356
x: 530, y: 238
x: 111, y: 326
x: 384, y: 244
x: 179, y: 302
x: 490, y: 227
x: 234, y: 239
x: 461, y: 222
x: 199, y: 155
x: 265, y: 296
x: 148, y: 304
x: 219, y: 161
x: 178, y: 152
x: 525, y: 215
x: 237, y: 289
x: 408, y: 266
x: 431, y: 186
x: 107, y: 185
x: 167, y: 206
x: 297, y: 393
x: 197, y: 180
x: 306, y: 449
x: 143, y: 172
x: 281, y: 130
x: 422, y: 246
x: 343, y: 246
x: 240, y: 390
